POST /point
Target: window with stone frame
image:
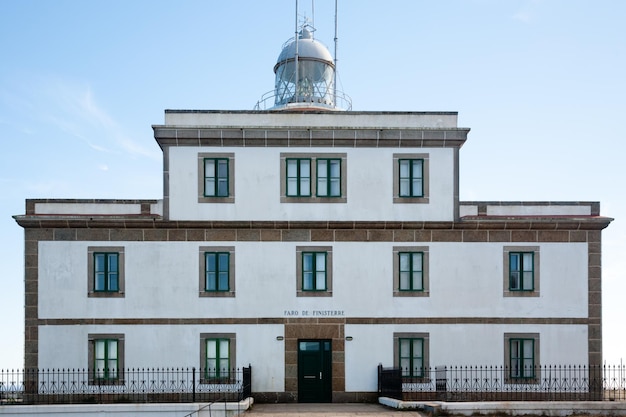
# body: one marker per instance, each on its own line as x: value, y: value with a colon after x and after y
x: 521, y: 358
x: 106, y: 359
x: 216, y: 177
x: 313, y: 177
x: 521, y: 271
x: 105, y: 271
x: 411, y: 355
x: 411, y: 178
x: 217, y: 271
x: 314, y: 271
x: 217, y: 357
x: 411, y: 271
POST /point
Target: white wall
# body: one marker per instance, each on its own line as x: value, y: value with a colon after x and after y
x: 304, y: 120
x: 529, y: 210
x: 150, y: 346
x: 162, y: 281
x: 257, y: 187
x: 456, y: 345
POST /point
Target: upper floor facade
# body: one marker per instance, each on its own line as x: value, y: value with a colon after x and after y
x: 310, y: 166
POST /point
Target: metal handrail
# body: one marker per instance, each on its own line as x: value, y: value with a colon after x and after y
x: 343, y: 102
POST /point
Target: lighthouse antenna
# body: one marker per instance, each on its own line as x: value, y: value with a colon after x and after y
x: 335, y: 72
x: 296, y: 56
x: 313, y: 15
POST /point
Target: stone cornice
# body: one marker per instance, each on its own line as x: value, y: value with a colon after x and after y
x: 282, y: 320
x: 330, y: 137
x: 467, y: 223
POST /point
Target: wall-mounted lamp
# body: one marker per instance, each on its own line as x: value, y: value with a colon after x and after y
x: 280, y: 338
x: 349, y: 338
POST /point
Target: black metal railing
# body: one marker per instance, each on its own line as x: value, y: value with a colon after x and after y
x: 139, y: 385
x: 500, y: 383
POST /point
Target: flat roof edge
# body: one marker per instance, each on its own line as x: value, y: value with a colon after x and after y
x: 365, y: 112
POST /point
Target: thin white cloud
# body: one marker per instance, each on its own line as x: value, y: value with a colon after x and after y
x: 522, y: 16
x: 97, y: 148
x: 72, y: 128
x: 90, y: 108
x: 99, y: 117
x: 527, y: 12
x: 73, y: 108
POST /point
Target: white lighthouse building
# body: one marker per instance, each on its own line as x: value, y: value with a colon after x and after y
x: 313, y: 243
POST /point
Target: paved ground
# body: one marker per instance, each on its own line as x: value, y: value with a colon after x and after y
x: 326, y: 410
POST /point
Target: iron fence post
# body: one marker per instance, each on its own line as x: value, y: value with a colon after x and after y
x: 193, y: 384
x: 247, y: 382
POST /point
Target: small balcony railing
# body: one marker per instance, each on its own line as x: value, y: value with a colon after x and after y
x: 338, y: 101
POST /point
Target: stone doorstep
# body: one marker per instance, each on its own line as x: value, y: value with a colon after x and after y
x: 328, y: 410
x: 429, y: 407
x: 545, y: 408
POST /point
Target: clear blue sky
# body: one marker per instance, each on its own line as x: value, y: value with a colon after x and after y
x: 541, y: 83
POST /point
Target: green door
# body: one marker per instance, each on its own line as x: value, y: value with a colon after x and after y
x: 314, y: 371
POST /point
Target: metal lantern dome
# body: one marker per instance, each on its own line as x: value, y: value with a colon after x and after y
x: 305, y: 77
x: 315, y: 70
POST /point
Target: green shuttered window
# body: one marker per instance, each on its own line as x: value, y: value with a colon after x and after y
x: 412, y: 357
x: 411, y: 177
x: 314, y: 271
x: 216, y: 177
x: 217, y: 271
x: 106, y: 272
